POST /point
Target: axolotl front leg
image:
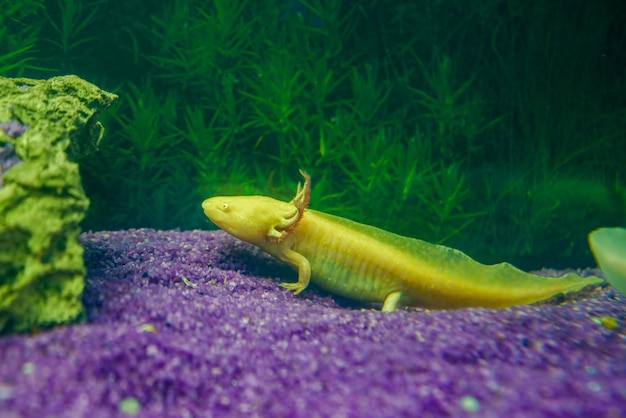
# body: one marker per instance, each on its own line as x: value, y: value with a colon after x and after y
x: 301, y: 264
x: 280, y: 238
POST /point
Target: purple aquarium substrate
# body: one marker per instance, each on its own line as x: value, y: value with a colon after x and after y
x: 194, y: 324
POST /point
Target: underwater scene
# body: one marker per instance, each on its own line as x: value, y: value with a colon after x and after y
x: 312, y: 208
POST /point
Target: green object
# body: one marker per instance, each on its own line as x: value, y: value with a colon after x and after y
x: 42, y: 199
x: 607, y: 322
x: 129, y: 406
x: 470, y: 403
x: 609, y: 248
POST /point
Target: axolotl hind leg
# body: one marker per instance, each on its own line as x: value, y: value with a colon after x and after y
x: 392, y: 301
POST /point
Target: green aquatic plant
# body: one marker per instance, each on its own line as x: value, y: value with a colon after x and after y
x: 274, y: 93
x: 609, y: 248
x: 533, y: 221
x: 15, y: 59
x: 70, y: 21
x: 197, y: 43
x: 551, y: 103
x: 146, y: 170
x: 419, y: 195
x: 17, y: 38
x: 430, y: 120
x: 212, y: 151
x: 455, y: 108
x: 369, y: 95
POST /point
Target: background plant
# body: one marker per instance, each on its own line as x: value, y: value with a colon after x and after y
x: 17, y: 38
x: 493, y: 126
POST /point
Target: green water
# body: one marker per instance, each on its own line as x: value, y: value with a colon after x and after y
x: 496, y: 127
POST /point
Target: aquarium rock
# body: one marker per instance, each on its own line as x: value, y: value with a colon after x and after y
x: 8, y: 158
x: 194, y: 324
x: 44, y: 126
x: 13, y: 128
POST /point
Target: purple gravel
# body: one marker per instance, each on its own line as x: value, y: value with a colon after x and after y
x: 13, y: 128
x: 230, y: 342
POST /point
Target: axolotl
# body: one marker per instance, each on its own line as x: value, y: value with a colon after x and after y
x: 369, y: 264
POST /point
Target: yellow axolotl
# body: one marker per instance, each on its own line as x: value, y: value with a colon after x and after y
x: 369, y: 264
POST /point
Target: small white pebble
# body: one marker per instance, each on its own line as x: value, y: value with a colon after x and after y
x: 152, y: 350
x: 594, y: 386
x: 28, y: 368
x: 6, y: 392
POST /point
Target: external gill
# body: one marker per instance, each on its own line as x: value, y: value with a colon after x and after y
x: 300, y: 202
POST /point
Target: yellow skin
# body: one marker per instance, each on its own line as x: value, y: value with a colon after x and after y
x: 369, y: 264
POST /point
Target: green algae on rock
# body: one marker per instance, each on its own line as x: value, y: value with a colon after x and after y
x: 50, y: 124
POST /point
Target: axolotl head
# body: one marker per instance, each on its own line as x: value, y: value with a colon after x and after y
x: 255, y: 219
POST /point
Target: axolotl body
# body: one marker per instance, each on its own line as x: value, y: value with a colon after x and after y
x: 369, y: 264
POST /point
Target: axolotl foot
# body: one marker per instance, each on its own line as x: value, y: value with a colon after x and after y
x: 296, y: 287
